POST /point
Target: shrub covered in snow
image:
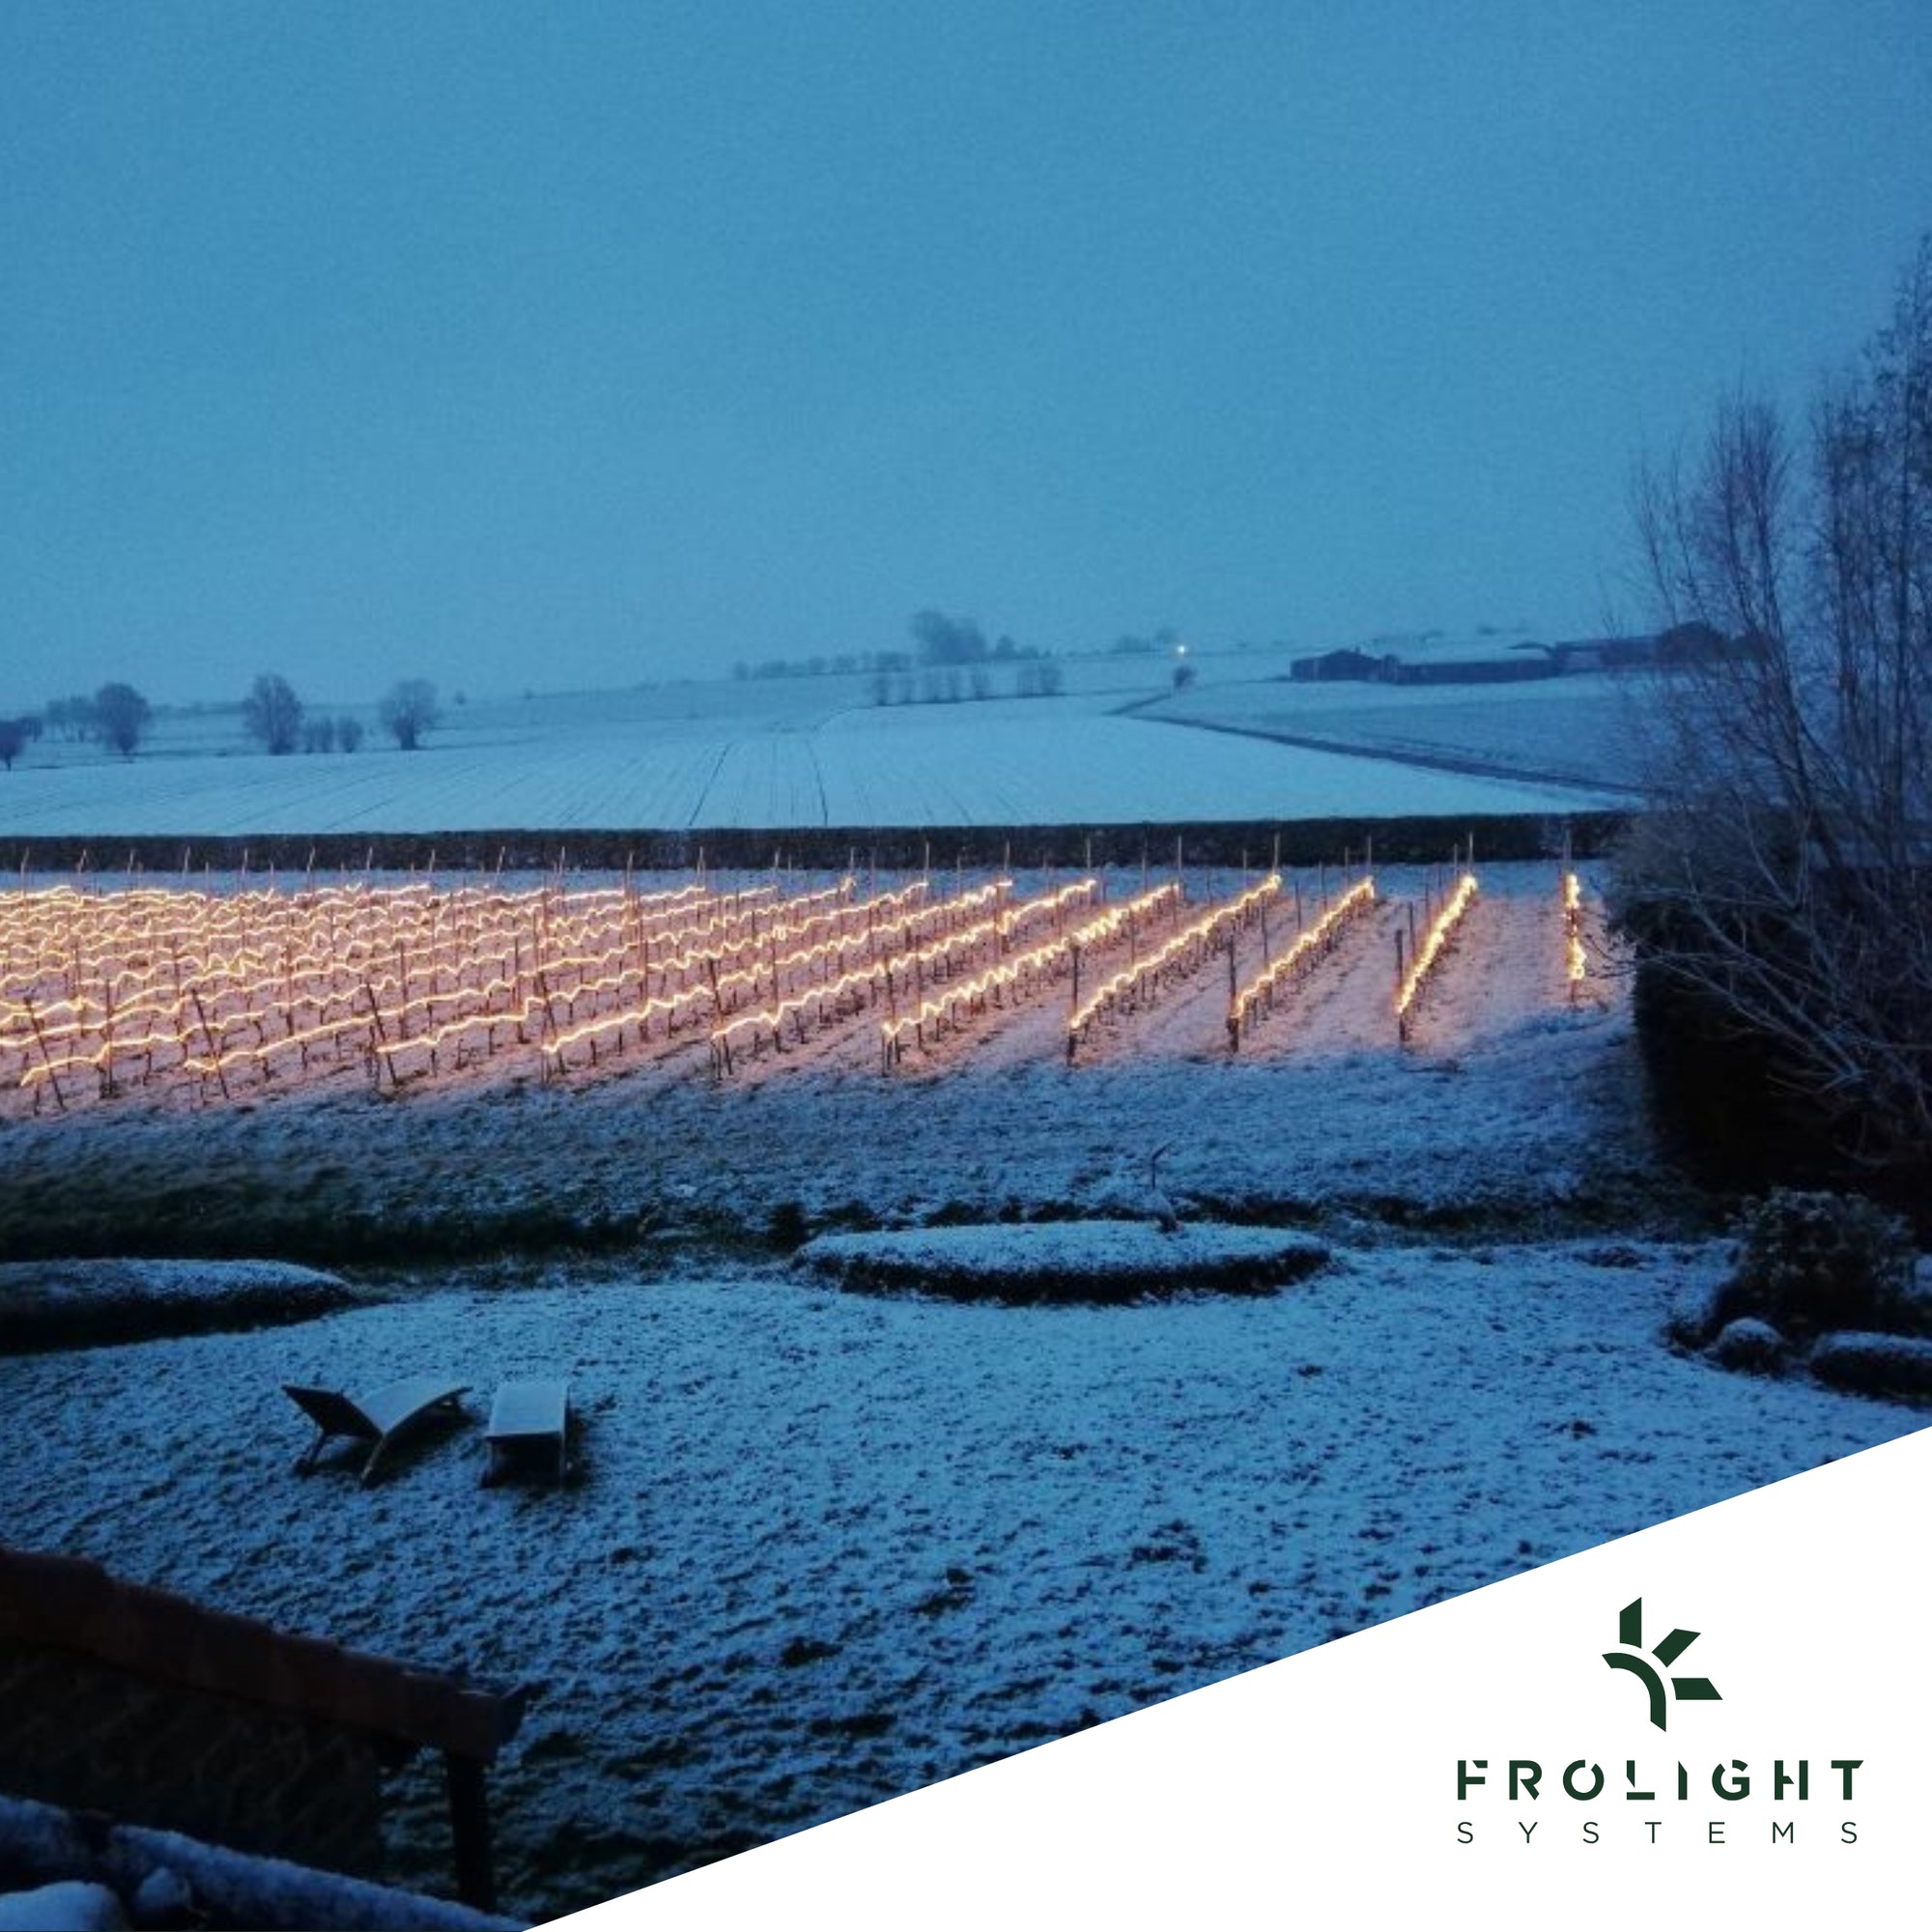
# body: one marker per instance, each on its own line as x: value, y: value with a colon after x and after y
x: 1750, y: 1345
x: 77, y: 1304
x: 1897, y: 1365
x: 1809, y: 1262
x: 1064, y: 1260
x: 66, y: 1906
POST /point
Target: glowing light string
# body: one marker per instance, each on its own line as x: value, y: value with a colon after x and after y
x: 1433, y: 942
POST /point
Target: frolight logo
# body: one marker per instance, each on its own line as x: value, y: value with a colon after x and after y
x: 1532, y: 1783
x: 1631, y: 1658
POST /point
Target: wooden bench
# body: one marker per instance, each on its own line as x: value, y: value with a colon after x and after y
x: 528, y: 1415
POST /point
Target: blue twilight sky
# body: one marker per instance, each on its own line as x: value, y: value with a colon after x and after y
x: 571, y: 343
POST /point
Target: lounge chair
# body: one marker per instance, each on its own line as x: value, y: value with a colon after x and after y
x: 529, y: 1414
x: 375, y: 1419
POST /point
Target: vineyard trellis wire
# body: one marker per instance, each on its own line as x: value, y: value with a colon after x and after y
x: 1182, y: 953
x: 1428, y: 951
x: 1289, y: 969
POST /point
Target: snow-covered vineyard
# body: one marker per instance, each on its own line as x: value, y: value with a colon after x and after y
x: 174, y: 994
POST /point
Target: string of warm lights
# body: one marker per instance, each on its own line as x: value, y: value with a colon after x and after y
x: 1021, y: 972
x: 822, y: 965
x: 133, y: 951
x: 228, y: 992
x: 1441, y: 929
x: 1309, y: 947
x: 1576, y: 962
x: 710, y: 979
x: 906, y: 968
x: 1185, y: 949
x: 106, y: 988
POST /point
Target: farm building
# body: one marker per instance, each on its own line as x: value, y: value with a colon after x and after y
x: 1511, y: 663
x: 1430, y: 657
x: 1343, y: 665
x: 1581, y: 654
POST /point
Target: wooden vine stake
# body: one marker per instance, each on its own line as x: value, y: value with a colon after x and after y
x: 214, y: 1051
x: 1233, y: 996
x: 53, y: 1078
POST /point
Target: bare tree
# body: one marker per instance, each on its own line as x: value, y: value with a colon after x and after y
x: 349, y: 732
x: 72, y: 716
x: 13, y: 735
x: 1783, y: 870
x: 272, y: 714
x: 121, y: 714
x: 409, y: 711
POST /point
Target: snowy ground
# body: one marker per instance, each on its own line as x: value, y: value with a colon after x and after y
x: 827, y: 1547
x: 1586, y: 729
x: 819, y: 752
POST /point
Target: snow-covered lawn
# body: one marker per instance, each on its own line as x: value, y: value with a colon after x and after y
x: 828, y: 1548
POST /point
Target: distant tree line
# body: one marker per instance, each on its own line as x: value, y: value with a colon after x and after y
x: 1164, y: 642
x: 952, y: 661
x: 278, y: 721
x: 938, y: 642
x: 952, y: 684
x: 819, y: 665
x: 118, y: 716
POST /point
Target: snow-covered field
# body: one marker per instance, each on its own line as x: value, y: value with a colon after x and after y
x: 986, y: 1114
x: 809, y: 752
x: 1586, y: 729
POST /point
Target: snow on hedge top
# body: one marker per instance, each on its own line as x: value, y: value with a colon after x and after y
x: 1065, y: 1259
x: 74, y: 1303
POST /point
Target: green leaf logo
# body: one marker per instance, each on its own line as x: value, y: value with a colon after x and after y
x: 1688, y: 1689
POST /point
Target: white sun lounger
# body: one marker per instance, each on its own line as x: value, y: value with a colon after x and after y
x: 375, y: 1419
x: 526, y: 1414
